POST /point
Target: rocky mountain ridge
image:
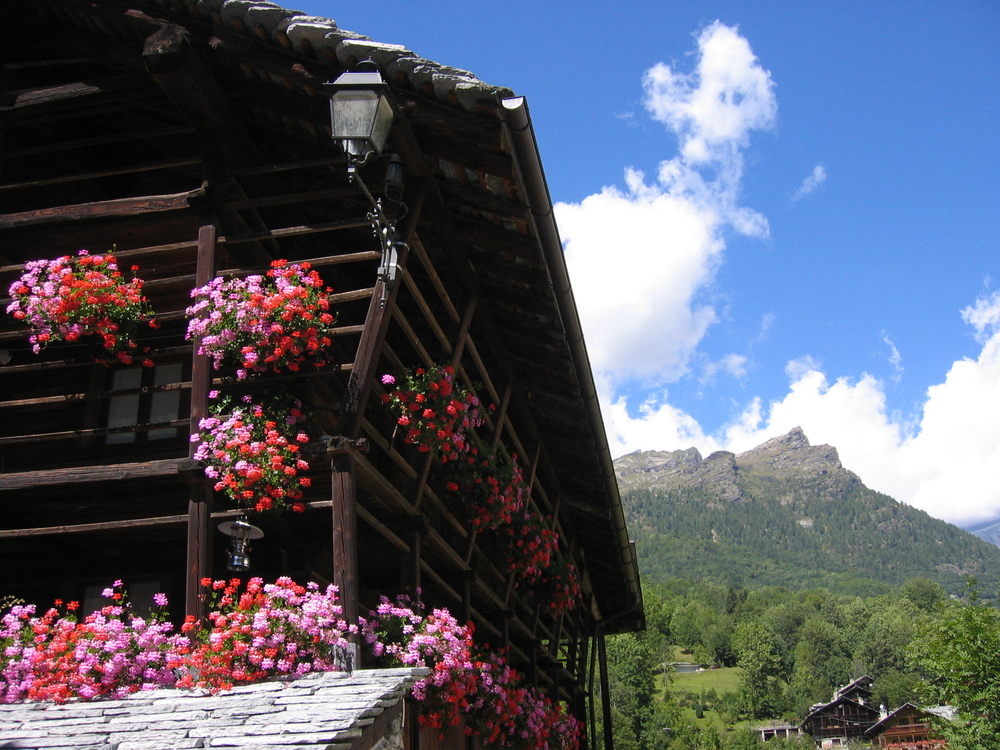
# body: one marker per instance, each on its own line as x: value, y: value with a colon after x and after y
x: 786, y: 513
x: 784, y: 457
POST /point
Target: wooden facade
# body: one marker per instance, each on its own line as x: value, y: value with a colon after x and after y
x: 193, y: 137
x: 847, y: 717
x: 907, y: 728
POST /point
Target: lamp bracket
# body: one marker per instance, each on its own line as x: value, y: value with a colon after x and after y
x: 384, y: 227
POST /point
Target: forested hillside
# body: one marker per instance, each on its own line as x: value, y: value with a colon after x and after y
x: 774, y: 653
x: 785, y: 574
x: 786, y: 513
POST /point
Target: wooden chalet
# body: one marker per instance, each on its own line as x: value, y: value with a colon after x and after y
x: 194, y: 138
x: 845, y: 718
x: 908, y: 728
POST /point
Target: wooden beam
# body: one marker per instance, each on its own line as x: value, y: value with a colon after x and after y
x: 293, y: 231
x: 376, y: 325
x: 388, y: 534
x: 482, y: 200
x: 74, y: 97
x: 83, y: 528
x: 127, y: 523
x: 44, y: 437
x: 343, y: 452
x: 104, y: 140
x: 178, y: 70
x: 86, y: 176
x: 26, y: 480
x: 150, y: 204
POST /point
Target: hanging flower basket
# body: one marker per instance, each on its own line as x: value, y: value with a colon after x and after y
x: 69, y: 299
x: 557, y: 589
x: 529, y: 545
x: 485, y: 490
x: 252, y: 452
x: 434, y: 412
x: 263, y: 323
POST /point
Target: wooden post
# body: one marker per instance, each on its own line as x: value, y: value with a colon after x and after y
x: 602, y: 657
x: 199, y: 539
x: 591, y: 708
x: 343, y: 454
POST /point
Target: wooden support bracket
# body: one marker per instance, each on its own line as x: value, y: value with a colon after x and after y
x: 192, y: 472
x: 345, y: 446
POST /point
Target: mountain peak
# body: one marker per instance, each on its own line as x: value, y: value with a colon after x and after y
x: 779, y: 458
x: 646, y: 467
x: 791, y: 453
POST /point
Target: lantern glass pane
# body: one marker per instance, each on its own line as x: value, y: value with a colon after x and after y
x: 353, y: 113
x: 383, y: 122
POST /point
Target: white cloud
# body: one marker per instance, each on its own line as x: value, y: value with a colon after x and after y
x: 714, y: 109
x: 810, y: 183
x: 895, y: 358
x: 730, y: 364
x: 947, y: 462
x: 658, y: 424
x: 984, y: 316
x: 642, y: 256
x: 766, y: 325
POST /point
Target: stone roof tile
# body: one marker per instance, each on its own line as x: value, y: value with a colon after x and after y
x: 319, y: 37
x: 322, y: 710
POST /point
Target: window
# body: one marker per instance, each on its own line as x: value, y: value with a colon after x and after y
x: 140, y: 398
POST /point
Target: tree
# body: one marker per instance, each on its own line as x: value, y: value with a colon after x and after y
x: 761, y: 688
x: 689, y: 621
x: 881, y: 649
x: 926, y: 594
x: 895, y: 688
x: 638, y: 719
x: 960, y: 652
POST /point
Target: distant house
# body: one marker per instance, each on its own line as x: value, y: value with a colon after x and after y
x: 908, y: 728
x: 777, y: 730
x: 848, y: 716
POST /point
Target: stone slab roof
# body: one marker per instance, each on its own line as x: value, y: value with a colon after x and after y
x: 321, y: 39
x: 335, y: 710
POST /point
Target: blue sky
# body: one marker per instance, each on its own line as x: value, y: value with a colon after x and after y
x: 800, y: 202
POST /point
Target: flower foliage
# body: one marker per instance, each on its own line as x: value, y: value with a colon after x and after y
x: 530, y: 548
x: 467, y: 684
x: 273, y: 630
x: 280, y: 628
x: 69, y: 298
x: 265, y: 631
x: 252, y: 452
x: 529, y: 544
x: 558, y: 589
x: 111, y: 653
x: 487, y: 489
x: 435, y: 412
x: 263, y: 323
x: 483, y: 488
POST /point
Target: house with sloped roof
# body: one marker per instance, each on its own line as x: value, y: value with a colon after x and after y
x: 909, y: 727
x: 194, y: 140
x: 846, y: 717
